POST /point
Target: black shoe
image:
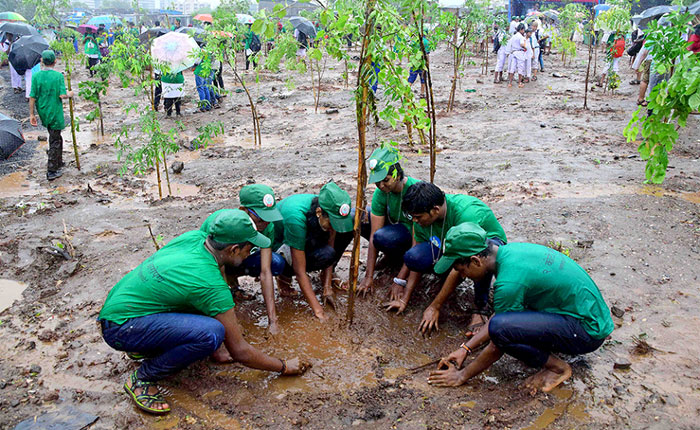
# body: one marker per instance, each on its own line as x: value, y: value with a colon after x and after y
x: 53, y: 175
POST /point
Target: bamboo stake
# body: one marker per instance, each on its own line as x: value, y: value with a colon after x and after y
x: 361, y: 112
x: 160, y: 191
x: 167, y: 174
x: 72, y: 118
x: 102, y: 124
x: 588, y: 67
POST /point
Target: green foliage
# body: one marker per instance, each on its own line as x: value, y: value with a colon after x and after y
x: 615, y: 20
x: 47, y: 11
x: 671, y: 101
x: 570, y: 17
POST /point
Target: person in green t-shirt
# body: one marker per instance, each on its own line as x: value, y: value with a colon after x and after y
x: 390, y: 228
x: 258, y: 201
x: 433, y: 214
x: 544, y: 302
x: 92, y: 52
x: 47, y: 94
x: 312, y: 236
x: 175, y: 308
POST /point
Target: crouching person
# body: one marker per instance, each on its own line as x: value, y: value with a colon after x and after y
x: 175, y: 308
x: 544, y: 302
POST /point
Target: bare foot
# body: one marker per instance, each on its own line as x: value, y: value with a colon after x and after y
x: 534, y: 382
x: 477, y: 323
x: 288, y: 292
x: 557, y: 371
x: 222, y: 355
x: 520, y: 85
x: 510, y: 85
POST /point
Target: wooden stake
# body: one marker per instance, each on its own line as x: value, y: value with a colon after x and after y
x: 588, y: 67
x: 153, y: 238
x: 160, y: 191
x: 167, y: 174
x: 72, y: 118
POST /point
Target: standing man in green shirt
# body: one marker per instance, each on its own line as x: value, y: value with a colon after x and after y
x: 259, y: 202
x: 390, y: 228
x: 544, y: 302
x: 175, y: 308
x: 433, y: 214
x: 48, y: 92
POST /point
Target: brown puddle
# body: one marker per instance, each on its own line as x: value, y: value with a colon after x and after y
x: 9, y: 292
x: 568, y: 405
x: 180, y: 399
x: 16, y: 184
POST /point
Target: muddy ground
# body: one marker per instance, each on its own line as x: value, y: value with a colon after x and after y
x: 552, y: 172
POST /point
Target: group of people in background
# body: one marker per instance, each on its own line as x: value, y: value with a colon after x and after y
x: 520, y: 50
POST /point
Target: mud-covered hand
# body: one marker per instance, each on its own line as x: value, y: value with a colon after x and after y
x: 450, y: 377
x: 274, y: 328
x: 398, y: 305
x: 296, y: 367
x: 366, y: 286
x: 395, y: 292
x: 430, y: 320
x: 457, y: 357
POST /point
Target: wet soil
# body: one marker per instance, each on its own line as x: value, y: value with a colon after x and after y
x: 553, y: 173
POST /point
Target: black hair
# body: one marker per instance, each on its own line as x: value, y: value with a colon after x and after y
x: 316, y: 237
x: 220, y: 246
x: 520, y: 26
x: 490, y: 249
x: 157, y: 23
x: 398, y: 169
x: 421, y: 197
x: 46, y: 63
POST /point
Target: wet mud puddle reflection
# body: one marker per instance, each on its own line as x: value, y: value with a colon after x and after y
x: 9, y: 292
x: 567, y: 404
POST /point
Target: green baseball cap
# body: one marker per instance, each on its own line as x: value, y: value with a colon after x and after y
x: 461, y: 241
x: 261, y: 199
x: 48, y: 56
x: 380, y: 161
x: 337, y: 204
x: 235, y: 226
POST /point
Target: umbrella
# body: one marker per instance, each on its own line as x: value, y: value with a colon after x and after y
x: 601, y: 7
x: 694, y: 8
x: 26, y: 52
x: 244, y: 18
x: 178, y: 50
x: 451, y: 4
x: 204, y: 17
x: 552, y: 14
x: 221, y: 33
x: 535, y: 13
x: 199, y: 34
x: 152, y: 33
x: 651, y: 14
x: 11, y: 138
x: 11, y: 16
x: 85, y: 28
x: 107, y: 20
x: 304, y: 25
x: 18, y: 29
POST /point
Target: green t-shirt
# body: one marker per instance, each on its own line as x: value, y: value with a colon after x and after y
x: 173, y: 78
x: 269, y: 231
x: 91, y: 47
x: 537, y: 278
x: 389, y: 204
x: 461, y: 208
x: 181, y: 277
x: 292, y: 229
x: 203, y: 69
x: 47, y: 86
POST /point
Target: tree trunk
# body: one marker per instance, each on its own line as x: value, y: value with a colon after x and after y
x: 160, y: 190
x: 102, y: 124
x: 72, y: 119
x: 257, y: 138
x: 167, y: 175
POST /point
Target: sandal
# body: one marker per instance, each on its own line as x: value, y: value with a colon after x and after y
x: 144, y: 401
x: 634, y: 82
x: 534, y: 78
x: 642, y: 102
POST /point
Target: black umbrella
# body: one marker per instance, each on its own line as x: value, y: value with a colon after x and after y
x: 152, y: 33
x: 198, y: 34
x: 11, y: 138
x: 694, y: 8
x: 304, y: 25
x: 26, y: 52
x: 18, y: 29
x: 651, y: 14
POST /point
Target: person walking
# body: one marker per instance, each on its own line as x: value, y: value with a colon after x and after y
x: 48, y: 92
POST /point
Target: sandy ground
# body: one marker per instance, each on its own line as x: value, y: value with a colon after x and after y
x: 552, y: 172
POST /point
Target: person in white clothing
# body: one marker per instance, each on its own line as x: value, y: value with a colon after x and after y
x: 516, y: 45
x: 502, y: 54
x: 28, y: 79
x: 534, y: 63
x: 528, y: 54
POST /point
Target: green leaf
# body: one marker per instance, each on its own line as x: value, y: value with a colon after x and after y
x: 315, y: 54
x: 257, y: 26
x: 694, y: 101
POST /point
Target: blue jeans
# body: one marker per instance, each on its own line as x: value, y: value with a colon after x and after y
x: 532, y: 336
x: 173, y: 340
x: 206, y: 98
x: 375, y: 77
x: 540, y: 59
x: 393, y: 240
x: 415, y: 73
x: 323, y: 257
x: 251, y: 266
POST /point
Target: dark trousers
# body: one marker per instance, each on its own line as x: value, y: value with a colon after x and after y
x: 168, y: 103
x: 157, y: 91
x: 92, y: 62
x: 55, y: 151
x: 541, y: 60
x: 532, y: 336
x: 219, y: 79
x: 172, y: 340
x: 393, y: 240
x: 324, y: 256
x: 248, y: 60
x: 252, y: 266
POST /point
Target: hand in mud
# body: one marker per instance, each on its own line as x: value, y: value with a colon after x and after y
x: 366, y: 286
x: 398, y: 305
x: 450, y: 377
x: 273, y: 328
x: 456, y: 357
x: 329, y: 299
x: 430, y: 320
x: 32, y: 121
x: 296, y: 367
x: 395, y: 292
x: 321, y: 316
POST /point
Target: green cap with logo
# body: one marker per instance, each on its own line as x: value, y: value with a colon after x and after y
x: 48, y: 57
x: 261, y: 199
x: 235, y: 226
x: 463, y: 240
x: 337, y: 204
x: 380, y: 161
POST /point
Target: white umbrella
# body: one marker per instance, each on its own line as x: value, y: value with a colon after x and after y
x: 178, y: 50
x: 244, y: 18
x: 451, y: 4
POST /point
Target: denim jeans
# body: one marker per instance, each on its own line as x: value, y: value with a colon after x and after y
x: 393, y: 240
x: 374, y: 81
x: 416, y: 73
x: 422, y: 257
x: 541, y: 60
x: 324, y: 256
x: 172, y: 340
x: 251, y: 266
x: 204, y: 90
x: 532, y: 336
